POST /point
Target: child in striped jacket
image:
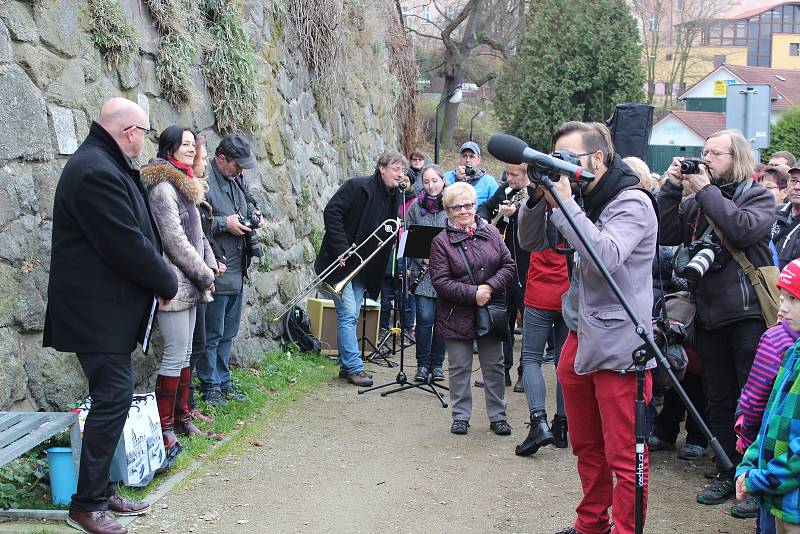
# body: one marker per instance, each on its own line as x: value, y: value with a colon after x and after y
x: 770, y: 469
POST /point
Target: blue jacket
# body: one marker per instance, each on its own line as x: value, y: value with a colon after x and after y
x: 485, y: 184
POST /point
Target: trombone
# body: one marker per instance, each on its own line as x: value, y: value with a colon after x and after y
x: 362, y: 252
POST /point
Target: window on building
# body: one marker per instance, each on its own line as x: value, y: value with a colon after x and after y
x: 652, y: 22
x: 794, y: 49
x: 719, y: 59
x: 426, y: 14
x: 678, y: 5
x: 668, y: 57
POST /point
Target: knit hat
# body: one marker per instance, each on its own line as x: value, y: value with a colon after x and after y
x: 790, y: 278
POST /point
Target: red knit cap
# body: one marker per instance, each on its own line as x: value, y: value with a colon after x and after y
x: 790, y: 278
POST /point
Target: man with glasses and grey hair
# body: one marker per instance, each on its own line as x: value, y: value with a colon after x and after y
x: 106, y: 275
x: 729, y: 318
x: 351, y: 215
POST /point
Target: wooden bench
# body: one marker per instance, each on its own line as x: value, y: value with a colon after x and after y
x: 22, y: 431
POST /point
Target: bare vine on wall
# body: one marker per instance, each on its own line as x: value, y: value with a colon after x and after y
x: 403, y: 65
x: 319, y: 34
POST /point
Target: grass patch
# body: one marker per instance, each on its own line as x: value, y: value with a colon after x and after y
x: 112, y: 34
x: 271, y: 385
x: 174, y: 68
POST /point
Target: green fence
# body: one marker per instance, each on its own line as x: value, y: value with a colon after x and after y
x: 659, y: 157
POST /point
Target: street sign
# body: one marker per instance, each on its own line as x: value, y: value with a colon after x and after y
x: 747, y: 109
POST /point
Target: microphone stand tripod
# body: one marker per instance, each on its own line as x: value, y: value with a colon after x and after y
x: 648, y: 349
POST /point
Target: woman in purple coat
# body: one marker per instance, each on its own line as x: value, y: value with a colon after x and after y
x: 458, y: 300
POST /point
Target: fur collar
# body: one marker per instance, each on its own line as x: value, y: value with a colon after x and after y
x: 159, y: 171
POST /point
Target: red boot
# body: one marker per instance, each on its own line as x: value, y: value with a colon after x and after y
x: 183, y: 419
x: 166, y: 390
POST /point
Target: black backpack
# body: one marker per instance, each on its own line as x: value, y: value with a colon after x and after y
x: 297, y: 329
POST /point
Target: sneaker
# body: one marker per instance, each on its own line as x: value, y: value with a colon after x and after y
x: 501, y: 427
x: 690, y: 451
x: 123, y: 506
x: 654, y: 443
x: 233, y: 393
x: 719, y: 491
x: 360, y: 379
x: 478, y: 383
x: 519, y: 387
x: 549, y: 356
x: 343, y: 374
x: 459, y: 426
x: 422, y: 374
x: 746, y: 508
x: 408, y: 337
x: 438, y: 374
x: 572, y: 530
x: 214, y: 398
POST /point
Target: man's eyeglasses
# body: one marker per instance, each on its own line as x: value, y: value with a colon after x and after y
x: 145, y: 130
x: 715, y: 153
x: 462, y: 207
x: 793, y: 180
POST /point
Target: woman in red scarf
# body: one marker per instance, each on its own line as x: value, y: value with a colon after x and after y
x: 174, y: 194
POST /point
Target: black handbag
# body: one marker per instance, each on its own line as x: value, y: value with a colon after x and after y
x: 491, y: 319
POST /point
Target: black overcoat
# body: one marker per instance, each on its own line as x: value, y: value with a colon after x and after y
x: 351, y: 215
x: 105, y: 264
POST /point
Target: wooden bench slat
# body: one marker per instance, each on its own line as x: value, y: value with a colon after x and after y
x: 22, y: 446
x: 8, y: 419
x: 26, y: 426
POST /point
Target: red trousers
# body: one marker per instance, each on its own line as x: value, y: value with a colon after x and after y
x: 600, y: 413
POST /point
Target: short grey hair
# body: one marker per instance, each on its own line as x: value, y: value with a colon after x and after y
x: 391, y: 156
x: 456, y: 191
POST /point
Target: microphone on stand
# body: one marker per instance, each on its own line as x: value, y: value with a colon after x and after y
x: 510, y: 149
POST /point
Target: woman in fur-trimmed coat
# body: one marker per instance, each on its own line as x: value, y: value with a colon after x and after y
x: 174, y: 194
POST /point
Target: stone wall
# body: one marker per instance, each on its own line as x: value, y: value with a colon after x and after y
x: 53, y: 82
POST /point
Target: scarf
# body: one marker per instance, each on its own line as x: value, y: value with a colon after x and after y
x: 618, y: 177
x: 185, y: 168
x: 469, y: 229
x: 429, y: 204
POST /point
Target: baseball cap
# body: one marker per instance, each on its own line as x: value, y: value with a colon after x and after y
x: 236, y: 147
x: 470, y: 145
x: 795, y: 168
x: 790, y: 278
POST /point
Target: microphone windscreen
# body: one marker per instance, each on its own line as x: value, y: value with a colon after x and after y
x: 507, y: 148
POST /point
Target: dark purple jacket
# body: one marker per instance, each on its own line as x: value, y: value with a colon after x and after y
x: 491, y: 263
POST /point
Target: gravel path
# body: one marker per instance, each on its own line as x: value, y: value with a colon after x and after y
x: 341, y: 462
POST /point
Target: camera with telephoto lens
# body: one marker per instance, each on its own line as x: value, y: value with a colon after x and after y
x: 252, y: 245
x: 691, y: 165
x: 535, y: 174
x: 469, y: 170
x: 704, y: 255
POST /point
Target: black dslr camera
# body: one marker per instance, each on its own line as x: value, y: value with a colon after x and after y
x: 252, y: 245
x: 691, y: 165
x: 697, y: 258
x: 469, y: 170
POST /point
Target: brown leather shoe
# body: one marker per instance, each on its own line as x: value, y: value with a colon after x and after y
x: 197, y: 414
x: 123, y: 506
x: 359, y: 379
x: 94, y: 523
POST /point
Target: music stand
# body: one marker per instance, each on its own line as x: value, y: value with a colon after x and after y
x: 415, y: 243
x: 376, y: 349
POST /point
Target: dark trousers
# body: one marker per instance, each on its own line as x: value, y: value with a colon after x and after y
x: 515, y: 299
x: 199, y: 351
x: 667, y: 422
x: 727, y: 354
x: 111, y: 387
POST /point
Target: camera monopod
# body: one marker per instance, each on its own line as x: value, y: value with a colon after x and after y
x: 510, y: 149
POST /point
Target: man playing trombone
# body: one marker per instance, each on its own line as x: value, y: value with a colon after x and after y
x: 351, y: 216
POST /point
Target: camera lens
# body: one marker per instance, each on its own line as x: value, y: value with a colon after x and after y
x: 690, y: 166
x: 699, y: 265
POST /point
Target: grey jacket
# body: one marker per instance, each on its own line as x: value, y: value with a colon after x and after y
x: 625, y: 239
x: 227, y: 198
x: 425, y: 286
x: 173, y: 201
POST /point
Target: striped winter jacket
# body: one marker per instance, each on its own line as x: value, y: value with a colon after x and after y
x: 772, y: 462
x: 773, y: 345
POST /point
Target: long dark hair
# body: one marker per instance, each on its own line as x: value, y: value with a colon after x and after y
x: 170, y: 140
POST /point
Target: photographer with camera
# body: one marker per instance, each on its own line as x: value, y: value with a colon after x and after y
x: 235, y: 218
x: 470, y: 157
x: 618, y: 219
x: 729, y: 315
